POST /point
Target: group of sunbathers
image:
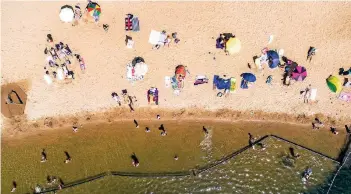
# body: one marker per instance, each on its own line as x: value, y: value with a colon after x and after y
x: 59, y: 53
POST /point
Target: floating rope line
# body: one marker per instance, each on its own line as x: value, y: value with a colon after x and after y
x: 336, y: 174
x: 190, y: 172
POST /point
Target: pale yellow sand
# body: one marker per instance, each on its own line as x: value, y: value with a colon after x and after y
x: 296, y: 26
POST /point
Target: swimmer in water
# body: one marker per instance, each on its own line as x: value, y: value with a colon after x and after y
x: 135, y: 160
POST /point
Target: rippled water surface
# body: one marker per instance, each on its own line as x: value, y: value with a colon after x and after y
x: 269, y: 170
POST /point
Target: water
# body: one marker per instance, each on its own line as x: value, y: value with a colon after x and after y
x: 98, y: 148
x: 253, y: 171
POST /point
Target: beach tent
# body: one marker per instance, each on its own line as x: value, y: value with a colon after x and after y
x: 157, y: 37
x: 13, y: 100
x: 233, y: 45
x: 93, y: 10
x: 334, y: 84
x: 273, y: 59
x: 66, y: 13
x: 299, y: 74
x: 248, y: 77
x: 180, y: 71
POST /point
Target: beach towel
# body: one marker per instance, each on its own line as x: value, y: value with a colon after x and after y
x: 200, y: 79
x: 60, y: 75
x: 232, y: 85
x: 130, y: 44
x: 313, y: 94
x: 167, y: 81
x: 345, y: 96
x: 135, y: 24
x: 128, y: 23
x: 157, y: 38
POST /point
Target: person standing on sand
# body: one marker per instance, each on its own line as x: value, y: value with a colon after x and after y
x: 136, y: 124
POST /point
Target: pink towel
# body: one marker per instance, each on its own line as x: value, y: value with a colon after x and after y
x: 345, y: 96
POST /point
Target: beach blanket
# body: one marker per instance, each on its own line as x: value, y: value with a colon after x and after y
x: 135, y: 24
x: 200, y: 79
x: 345, y: 96
x: 128, y: 23
x: 167, y: 81
x: 137, y: 72
x: 232, y: 85
x: 313, y: 94
x: 221, y: 83
x: 130, y: 44
x: 157, y: 38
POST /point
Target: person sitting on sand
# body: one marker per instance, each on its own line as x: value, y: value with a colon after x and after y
x: 116, y: 98
x: 135, y: 160
x: 251, y: 140
x: 54, y: 54
x: 158, y: 117
x: 67, y: 50
x: 77, y: 14
x: 147, y: 129
x: 311, y: 52
x: 176, y: 157
x: 333, y: 130
x: 49, y: 38
x: 43, y: 156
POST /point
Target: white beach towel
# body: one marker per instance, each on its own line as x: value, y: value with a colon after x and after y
x: 157, y: 37
x: 60, y: 75
x: 48, y: 79
x: 313, y: 94
x: 130, y: 44
x: 167, y: 81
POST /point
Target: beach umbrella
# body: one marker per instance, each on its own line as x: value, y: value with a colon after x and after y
x: 66, y: 13
x: 248, y: 77
x: 334, y: 84
x: 299, y: 74
x: 273, y: 58
x: 94, y: 10
x: 233, y: 45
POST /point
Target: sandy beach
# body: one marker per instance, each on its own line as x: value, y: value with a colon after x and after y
x: 295, y: 25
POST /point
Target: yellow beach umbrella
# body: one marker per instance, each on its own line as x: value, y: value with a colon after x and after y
x: 334, y: 84
x: 233, y: 45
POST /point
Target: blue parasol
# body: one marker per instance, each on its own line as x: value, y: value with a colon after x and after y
x: 248, y: 77
x: 273, y: 58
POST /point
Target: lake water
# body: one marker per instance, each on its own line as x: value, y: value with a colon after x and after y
x: 98, y: 148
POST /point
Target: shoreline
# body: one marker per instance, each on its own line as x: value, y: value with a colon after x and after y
x: 21, y: 126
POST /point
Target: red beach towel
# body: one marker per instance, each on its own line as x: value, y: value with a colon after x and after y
x: 128, y: 24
